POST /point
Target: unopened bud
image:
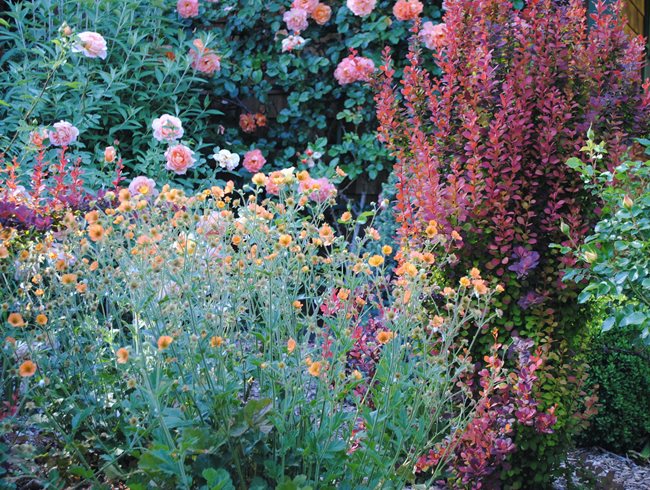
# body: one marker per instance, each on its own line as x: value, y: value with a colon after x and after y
x: 590, y: 256
x: 627, y: 202
x: 110, y: 154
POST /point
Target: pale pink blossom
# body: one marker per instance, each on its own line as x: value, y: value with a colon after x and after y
x: 318, y: 190
x: 296, y: 19
x: 167, y: 128
x: 63, y: 134
x: 254, y: 161
x: 292, y: 42
x: 143, y: 187
x: 407, y: 9
x: 433, y: 36
x: 188, y: 8
x: 354, y: 69
x: 110, y: 154
x: 307, y: 5
x: 91, y: 45
x: 179, y: 159
x: 362, y: 8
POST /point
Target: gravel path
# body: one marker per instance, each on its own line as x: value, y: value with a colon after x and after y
x: 598, y: 469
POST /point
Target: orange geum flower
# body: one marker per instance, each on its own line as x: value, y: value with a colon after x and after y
x: 216, y: 341
x: 475, y: 273
x: 376, y: 260
x: 327, y: 234
x: 346, y: 217
x: 41, y: 319
x: 91, y: 217
x: 236, y: 240
x: 81, y: 288
x: 499, y: 288
x: 456, y: 236
x: 297, y: 304
x: 315, y: 368
x: 479, y: 286
x: 4, y: 253
x: 387, y: 250
x: 164, y: 341
x: 122, y: 355
x: 291, y: 345
x: 384, y: 336
x: 343, y: 294
x: 68, y: 279
x: 96, y: 232
x: 27, y: 369
x: 285, y: 240
x: 465, y: 282
x: 432, y: 229
x: 16, y: 320
x: 356, y: 374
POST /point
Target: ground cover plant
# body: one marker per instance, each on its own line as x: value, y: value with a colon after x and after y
x: 231, y: 338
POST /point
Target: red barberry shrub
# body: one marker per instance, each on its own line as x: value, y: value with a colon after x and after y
x: 481, y: 150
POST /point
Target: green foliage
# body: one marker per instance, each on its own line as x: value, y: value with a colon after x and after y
x: 616, y: 256
x: 111, y: 101
x: 619, y: 371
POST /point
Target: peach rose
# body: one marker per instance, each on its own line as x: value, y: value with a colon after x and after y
x: 179, y: 159
x: 407, y: 9
x: 167, y: 128
x: 110, y: 154
x: 354, y: 69
x: 307, y: 5
x: 64, y: 133
x: 188, y: 8
x: 362, y: 8
x: 91, y: 45
x: 321, y: 14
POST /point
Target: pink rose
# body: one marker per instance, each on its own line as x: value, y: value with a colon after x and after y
x: 203, y: 59
x: 188, y: 8
x: 361, y: 8
x: 433, y: 36
x: 142, y: 187
x: 64, y: 133
x: 354, y: 69
x: 407, y: 9
x: 179, y: 159
x: 296, y: 19
x: 319, y: 190
x: 167, y: 128
x: 307, y: 5
x: 110, y: 154
x: 91, y: 44
x: 254, y: 161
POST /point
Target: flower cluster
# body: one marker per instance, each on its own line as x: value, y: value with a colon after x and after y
x: 354, y: 69
x: 204, y: 59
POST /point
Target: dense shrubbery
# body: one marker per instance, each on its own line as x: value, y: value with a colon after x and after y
x: 481, y: 154
x: 619, y: 371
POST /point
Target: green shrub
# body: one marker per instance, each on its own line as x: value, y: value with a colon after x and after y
x: 620, y: 374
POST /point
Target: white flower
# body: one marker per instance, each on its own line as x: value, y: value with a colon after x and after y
x: 292, y: 42
x: 226, y: 159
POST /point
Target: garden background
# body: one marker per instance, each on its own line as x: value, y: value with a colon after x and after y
x: 360, y: 244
